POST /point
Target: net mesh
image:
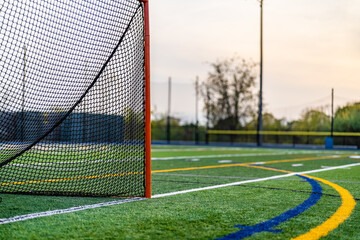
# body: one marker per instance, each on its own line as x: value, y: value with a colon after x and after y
x: 72, y: 98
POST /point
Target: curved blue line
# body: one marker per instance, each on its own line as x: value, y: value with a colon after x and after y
x: 247, y: 231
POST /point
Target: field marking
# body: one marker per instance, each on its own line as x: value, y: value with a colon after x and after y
x: 303, y: 159
x: 197, y: 149
x: 217, y: 148
x: 342, y: 213
x: 269, y: 168
x: 268, y: 225
x: 228, y: 149
x: 254, y: 180
x: 244, y: 164
x: 225, y: 161
x: 75, y: 162
x: 72, y: 178
x: 231, y: 155
x: 233, y: 177
x: 74, y: 209
x: 171, y: 170
x: 197, y: 168
x: 226, y: 177
x: 67, y: 210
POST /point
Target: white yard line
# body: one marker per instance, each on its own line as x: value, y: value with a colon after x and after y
x: 184, y: 150
x: 209, y: 149
x: 235, y: 149
x: 254, y: 180
x: 208, y: 176
x: 68, y: 210
x: 230, y: 155
x: 80, y: 208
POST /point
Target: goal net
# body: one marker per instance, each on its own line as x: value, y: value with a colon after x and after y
x: 72, y: 98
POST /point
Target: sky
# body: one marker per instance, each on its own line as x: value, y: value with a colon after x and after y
x: 310, y: 47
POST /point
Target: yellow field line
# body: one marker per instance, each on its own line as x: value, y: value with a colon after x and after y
x: 283, y: 133
x: 196, y: 168
x: 266, y: 168
x: 300, y: 159
x: 342, y: 213
x: 170, y: 170
x: 72, y: 178
x: 245, y: 164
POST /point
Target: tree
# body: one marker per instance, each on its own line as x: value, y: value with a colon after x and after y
x: 312, y: 120
x: 133, y: 125
x: 228, y: 93
x: 270, y: 123
x: 347, y: 119
x: 180, y: 131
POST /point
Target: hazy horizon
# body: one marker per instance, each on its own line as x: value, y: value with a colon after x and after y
x: 309, y: 48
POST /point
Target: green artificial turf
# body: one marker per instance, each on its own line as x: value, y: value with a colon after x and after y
x: 206, y: 214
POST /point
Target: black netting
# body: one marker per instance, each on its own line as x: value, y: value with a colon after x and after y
x: 72, y: 97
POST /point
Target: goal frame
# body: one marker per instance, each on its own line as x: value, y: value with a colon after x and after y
x: 147, y: 101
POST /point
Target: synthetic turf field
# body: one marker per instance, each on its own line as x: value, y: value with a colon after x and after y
x: 322, y: 202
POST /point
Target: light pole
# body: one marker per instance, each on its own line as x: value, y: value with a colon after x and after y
x: 260, y: 124
x: 196, y: 110
x: 168, y: 138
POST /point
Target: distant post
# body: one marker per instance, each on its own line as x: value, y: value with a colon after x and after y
x: 207, y: 115
x: 23, y: 97
x: 329, y: 141
x: 332, y: 112
x: 196, y: 110
x: 168, y: 115
x: 260, y: 124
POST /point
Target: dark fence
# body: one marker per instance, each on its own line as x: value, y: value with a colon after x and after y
x: 285, y: 137
x: 78, y: 127
x: 177, y: 133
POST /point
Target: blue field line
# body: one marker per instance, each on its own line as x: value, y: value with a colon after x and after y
x: 268, y: 225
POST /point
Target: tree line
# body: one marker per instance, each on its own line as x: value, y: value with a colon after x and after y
x: 230, y: 101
